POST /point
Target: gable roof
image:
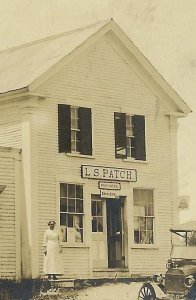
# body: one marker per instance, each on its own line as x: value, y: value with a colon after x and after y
x: 22, y: 66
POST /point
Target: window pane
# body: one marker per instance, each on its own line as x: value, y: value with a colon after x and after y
x: 150, y: 204
x: 71, y: 205
x: 136, y: 236
x: 77, y: 146
x: 136, y: 198
x: 81, y: 236
x: 136, y: 223
x: 100, y: 224
x: 79, y: 206
x: 70, y: 220
x: 78, y: 221
x: 64, y: 233
x: 143, y: 238
x: 149, y: 236
x: 63, y: 189
x: 63, y: 205
x: 71, y: 191
x: 79, y: 191
x: 94, y: 225
x: 93, y: 208
x: 149, y: 223
x: 142, y: 223
x: 99, y: 208
x: 63, y: 219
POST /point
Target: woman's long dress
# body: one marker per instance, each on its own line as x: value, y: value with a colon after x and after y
x: 53, y: 263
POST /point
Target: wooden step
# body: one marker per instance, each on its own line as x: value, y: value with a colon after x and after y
x: 62, y: 283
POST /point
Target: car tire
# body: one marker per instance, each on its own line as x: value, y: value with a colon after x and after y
x: 147, y: 292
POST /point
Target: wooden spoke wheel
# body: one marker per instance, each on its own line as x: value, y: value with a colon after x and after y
x: 147, y: 292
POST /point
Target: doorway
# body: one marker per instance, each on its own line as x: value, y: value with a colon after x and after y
x: 115, y: 233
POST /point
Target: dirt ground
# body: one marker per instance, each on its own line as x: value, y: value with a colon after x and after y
x: 118, y: 291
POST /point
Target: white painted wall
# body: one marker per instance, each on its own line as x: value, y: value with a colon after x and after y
x: 102, y: 80
x: 10, y: 243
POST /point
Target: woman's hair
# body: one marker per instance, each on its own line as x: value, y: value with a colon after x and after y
x: 51, y: 221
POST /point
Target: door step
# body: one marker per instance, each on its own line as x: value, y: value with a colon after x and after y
x: 111, y: 273
x: 62, y: 283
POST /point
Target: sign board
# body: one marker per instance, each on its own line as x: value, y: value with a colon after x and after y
x: 108, y: 173
x: 109, y: 194
x: 104, y: 185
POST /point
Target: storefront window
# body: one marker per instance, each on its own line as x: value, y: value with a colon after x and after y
x: 97, y: 214
x: 71, y: 212
x: 143, y: 216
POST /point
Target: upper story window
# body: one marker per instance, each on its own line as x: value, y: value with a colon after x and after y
x: 74, y: 129
x: 143, y: 209
x: 129, y: 136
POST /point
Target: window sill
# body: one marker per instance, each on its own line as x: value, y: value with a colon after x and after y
x: 131, y: 160
x: 74, y: 245
x: 80, y: 155
x: 145, y: 246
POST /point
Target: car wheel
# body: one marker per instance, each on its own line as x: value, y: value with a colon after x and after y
x: 147, y: 292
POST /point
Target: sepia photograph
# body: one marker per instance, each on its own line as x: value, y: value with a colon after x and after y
x: 97, y: 149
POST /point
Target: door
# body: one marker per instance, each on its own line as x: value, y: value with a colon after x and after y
x: 115, y: 238
x: 99, y: 232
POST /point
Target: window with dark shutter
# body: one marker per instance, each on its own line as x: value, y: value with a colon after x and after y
x: 85, y: 124
x: 64, y: 128
x: 139, y: 137
x: 120, y: 135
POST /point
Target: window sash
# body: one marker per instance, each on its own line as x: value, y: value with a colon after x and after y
x: 72, y: 211
x: 144, y: 219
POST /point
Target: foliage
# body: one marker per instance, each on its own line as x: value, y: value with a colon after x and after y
x: 22, y: 290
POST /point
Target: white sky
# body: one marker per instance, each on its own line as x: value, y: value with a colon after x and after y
x: 163, y: 30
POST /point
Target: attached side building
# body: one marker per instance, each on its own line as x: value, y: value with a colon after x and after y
x: 97, y: 126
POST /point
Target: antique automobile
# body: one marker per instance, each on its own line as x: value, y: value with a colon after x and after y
x: 179, y: 281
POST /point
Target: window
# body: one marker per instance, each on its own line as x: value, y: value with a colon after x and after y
x: 74, y: 129
x: 143, y: 216
x: 71, y: 212
x: 97, y: 214
x: 129, y: 136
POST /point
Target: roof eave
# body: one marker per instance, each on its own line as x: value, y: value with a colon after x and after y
x: 14, y: 94
x: 183, y: 107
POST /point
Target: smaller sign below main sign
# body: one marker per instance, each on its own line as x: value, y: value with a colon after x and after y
x: 109, y: 194
x: 109, y: 185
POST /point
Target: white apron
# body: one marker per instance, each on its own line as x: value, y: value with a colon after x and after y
x: 53, y: 262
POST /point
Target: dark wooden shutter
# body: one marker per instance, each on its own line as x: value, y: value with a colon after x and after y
x: 120, y: 135
x: 139, y: 137
x: 85, y: 125
x: 64, y: 128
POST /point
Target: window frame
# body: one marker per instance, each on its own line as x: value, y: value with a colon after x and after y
x: 86, y: 140
x: 131, y: 115
x: 71, y: 243
x: 155, y: 245
x: 97, y: 216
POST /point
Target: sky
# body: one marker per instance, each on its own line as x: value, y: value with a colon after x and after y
x: 163, y: 30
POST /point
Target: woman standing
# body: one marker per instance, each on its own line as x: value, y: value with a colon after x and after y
x: 53, y: 264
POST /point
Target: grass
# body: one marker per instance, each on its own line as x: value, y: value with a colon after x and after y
x: 22, y: 290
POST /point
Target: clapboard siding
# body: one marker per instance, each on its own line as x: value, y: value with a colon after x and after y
x: 76, y: 262
x: 100, y: 79
x: 7, y: 218
x: 10, y: 125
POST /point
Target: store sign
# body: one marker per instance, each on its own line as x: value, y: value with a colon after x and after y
x: 104, y: 185
x: 97, y: 172
x: 109, y: 194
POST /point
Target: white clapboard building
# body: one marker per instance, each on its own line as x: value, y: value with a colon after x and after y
x: 88, y: 137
